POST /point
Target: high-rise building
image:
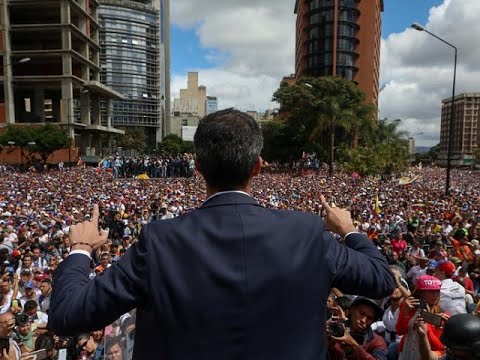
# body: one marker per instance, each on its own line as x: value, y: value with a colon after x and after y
x: 192, y: 99
x: 340, y: 38
x: 466, y: 122
x: 135, y: 62
x: 51, y: 70
x: 212, y: 104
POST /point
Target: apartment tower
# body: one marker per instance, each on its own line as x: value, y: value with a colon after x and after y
x: 340, y: 38
x: 466, y: 122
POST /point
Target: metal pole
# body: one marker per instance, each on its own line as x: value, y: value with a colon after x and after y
x: 450, y: 130
x: 452, y: 109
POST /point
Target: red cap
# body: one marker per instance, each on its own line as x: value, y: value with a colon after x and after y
x: 447, y: 267
x: 16, y: 253
x: 427, y: 282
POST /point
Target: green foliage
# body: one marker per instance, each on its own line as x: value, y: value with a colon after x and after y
x: 43, y: 140
x: 173, y: 145
x: 383, y: 151
x: 431, y: 156
x: 317, y: 116
x: 134, y: 139
x: 281, y: 141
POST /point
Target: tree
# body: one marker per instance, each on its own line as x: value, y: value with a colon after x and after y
x: 42, y: 140
x: 133, y: 139
x: 384, y: 151
x: 281, y: 141
x: 171, y: 144
x: 324, y: 108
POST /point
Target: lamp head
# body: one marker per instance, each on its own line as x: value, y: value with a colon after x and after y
x: 418, y: 27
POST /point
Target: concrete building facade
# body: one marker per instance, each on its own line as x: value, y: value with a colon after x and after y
x: 134, y: 43
x: 340, y: 38
x: 466, y: 122
x: 180, y: 120
x: 193, y: 98
x: 51, y: 68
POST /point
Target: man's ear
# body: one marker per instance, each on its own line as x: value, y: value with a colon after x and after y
x: 257, y: 167
x: 197, y: 167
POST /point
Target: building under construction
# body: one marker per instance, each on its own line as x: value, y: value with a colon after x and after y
x: 51, y: 69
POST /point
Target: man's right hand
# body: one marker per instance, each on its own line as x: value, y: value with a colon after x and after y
x: 338, y: 220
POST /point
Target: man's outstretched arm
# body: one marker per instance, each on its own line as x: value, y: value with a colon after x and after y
x: 79, y: 304
x: 358, y: 268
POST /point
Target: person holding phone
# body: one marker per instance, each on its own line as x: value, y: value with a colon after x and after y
x: 422, y: 306
x: 9, y: 349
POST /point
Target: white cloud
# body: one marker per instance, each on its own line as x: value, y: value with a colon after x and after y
x: 258, y: 39
x: 417, y: 69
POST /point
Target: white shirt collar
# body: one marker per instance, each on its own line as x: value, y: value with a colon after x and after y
x: 227, y: 192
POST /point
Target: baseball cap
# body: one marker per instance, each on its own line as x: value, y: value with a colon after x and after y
x: 428, y: 282
x: 447, y: 267
x: 29, y: 285
x: 455, y: 260
x: 360, y: 300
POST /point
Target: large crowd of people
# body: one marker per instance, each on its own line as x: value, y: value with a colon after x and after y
x: 430, y: 240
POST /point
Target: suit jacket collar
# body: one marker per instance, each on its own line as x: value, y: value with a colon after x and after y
x: 229, y: 198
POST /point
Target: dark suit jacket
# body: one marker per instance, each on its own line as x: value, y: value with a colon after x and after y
x: 230, y: 280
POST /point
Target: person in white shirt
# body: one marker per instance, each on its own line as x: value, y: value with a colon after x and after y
x: 452, y: 294
x: 418, y: 270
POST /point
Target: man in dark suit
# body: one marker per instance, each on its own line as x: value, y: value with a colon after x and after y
x: 230, y: 280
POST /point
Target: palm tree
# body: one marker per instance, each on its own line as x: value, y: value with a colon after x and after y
x: 386, y: 132
x: 333, y: 114
x: 363, y: 119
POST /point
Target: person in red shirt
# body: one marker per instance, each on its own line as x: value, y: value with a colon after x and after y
x: 399, y: 244
x: 465, y: 281
x: 460, y: 245
x: 426, y: 294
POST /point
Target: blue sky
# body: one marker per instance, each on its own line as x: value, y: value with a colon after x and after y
x: 187, y: 53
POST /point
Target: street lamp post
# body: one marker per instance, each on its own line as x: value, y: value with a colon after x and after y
x: 419, y: 27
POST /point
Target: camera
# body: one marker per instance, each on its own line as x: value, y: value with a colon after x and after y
x: 336, y: 329
x: 21, y: 319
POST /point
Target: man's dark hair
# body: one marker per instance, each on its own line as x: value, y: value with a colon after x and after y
x: 47, y: 281
x: 227, y: 145
x: 344, y: 302
x: 29, y: 305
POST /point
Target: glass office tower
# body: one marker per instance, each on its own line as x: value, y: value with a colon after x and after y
x: 132, y: 65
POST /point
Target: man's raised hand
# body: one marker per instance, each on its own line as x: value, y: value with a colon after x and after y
x: 86, y: 235
x: 338, y: 220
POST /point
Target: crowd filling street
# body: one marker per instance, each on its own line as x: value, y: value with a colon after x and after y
x: 430, y: 240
